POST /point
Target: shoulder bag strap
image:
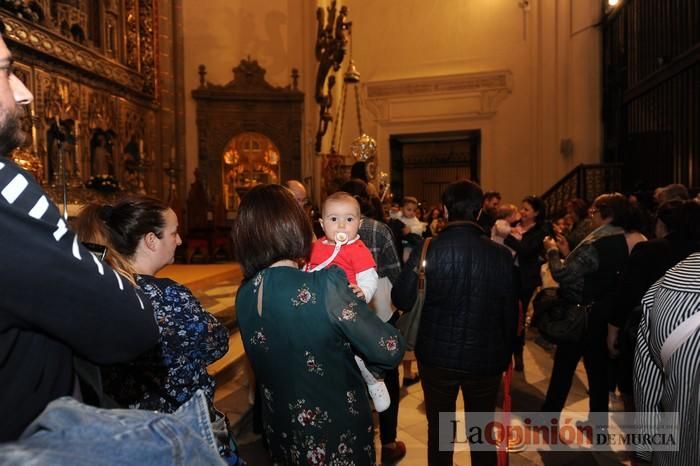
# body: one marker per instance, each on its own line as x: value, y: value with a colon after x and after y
x: 678, y: 336
x: 421, y: 266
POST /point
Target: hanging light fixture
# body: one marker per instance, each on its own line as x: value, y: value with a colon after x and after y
x: 363, y: 147
x: 351, y: 76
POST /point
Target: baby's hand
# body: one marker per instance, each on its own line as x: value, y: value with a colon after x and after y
x: 358, y: 291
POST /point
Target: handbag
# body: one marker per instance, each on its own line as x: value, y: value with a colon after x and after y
x: 559, y: 320
x: 409, y: 321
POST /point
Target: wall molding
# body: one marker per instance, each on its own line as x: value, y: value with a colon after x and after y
x: 469, y: 95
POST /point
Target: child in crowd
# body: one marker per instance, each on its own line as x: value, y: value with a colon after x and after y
x: 408, y: 231
x: 342, y: 246
x: 507, y: 218
x: 412, y: 230
x: 394, y: 211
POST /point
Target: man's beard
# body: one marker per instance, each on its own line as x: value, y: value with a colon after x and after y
x: 11, y: 134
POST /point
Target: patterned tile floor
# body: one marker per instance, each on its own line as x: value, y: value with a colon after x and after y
x: 215, y: 286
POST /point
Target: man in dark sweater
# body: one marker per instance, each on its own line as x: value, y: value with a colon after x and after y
x: 467, y: 329
x: 56, y: 300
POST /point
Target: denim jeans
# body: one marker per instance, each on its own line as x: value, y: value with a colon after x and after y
x: 69, y: 433
x: 440, y: 389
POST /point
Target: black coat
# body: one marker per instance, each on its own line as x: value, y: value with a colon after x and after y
x: 529, y: 251
x: 469, y: 319
x: 647, y: 262
x: 55, y: 303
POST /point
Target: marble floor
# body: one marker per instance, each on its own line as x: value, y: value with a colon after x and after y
x: 215, y: 286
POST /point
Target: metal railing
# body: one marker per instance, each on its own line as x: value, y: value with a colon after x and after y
x: 585, y: 182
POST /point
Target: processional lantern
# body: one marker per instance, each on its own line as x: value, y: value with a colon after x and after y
x: 333, y: 34
x: 363, y: 147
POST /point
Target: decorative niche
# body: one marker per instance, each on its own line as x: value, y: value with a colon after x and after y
x: 249, y: 132
x: 92, y: 67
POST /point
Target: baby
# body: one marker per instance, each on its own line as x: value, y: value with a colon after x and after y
x: 507, y: 218
x: 342, y: 246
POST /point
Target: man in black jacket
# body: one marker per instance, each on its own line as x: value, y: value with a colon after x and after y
x: 469, y: 317
x: 56, y: 300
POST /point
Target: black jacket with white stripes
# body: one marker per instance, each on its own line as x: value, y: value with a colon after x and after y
x: 56, y: 301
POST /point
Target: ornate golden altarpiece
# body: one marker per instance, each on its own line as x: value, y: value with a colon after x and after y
x: 249, y: 132
x: 92, y: 67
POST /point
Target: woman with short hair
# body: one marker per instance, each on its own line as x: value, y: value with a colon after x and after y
x: 589, y: 277
x: 301, y: 332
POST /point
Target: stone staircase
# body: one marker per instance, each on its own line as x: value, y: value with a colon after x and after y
x: 231, y: 395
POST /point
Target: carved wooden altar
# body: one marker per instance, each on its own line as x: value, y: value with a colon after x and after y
x: 92, y: 67
x: 249, y: 132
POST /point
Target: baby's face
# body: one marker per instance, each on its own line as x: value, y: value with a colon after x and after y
x: 341, y: 220
x: 409, y: 210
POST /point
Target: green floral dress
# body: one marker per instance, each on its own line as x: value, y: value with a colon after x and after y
x: 315, y: 404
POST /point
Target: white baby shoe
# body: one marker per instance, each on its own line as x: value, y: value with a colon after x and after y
x: 377, y: 388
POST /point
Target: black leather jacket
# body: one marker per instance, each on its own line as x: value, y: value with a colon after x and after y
x: 469, y: 318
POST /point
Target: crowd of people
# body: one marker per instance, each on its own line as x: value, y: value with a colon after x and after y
x: 486, y: 263
x: 83, y: 316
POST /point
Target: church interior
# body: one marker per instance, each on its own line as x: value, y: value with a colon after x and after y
x: 173, y: 99
x: 197, y: 102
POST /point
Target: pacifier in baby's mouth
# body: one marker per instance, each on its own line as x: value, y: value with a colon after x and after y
x: 341, y: 237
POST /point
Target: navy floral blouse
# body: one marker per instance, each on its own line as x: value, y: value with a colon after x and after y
x: 315, y: 405
x: 166, y: 376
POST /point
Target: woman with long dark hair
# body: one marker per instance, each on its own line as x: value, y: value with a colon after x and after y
x: 526, y: 240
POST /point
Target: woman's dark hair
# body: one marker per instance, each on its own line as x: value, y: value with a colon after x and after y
x: 462, y: 200
x: 538, y: 206
x: 635, y: 221
x: 615, y: 206
x: 270, y: 226
x: 120, y: 228
x: 131, y: 219
x: 670, y: 213
x: 358, y: 189
x: 681, y: 217
x: 690, y: 228
x: 359, y: 171
x: 579, y: 207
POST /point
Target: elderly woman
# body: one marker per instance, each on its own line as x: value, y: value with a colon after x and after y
x: 301, y: 332
x: 589, y: 276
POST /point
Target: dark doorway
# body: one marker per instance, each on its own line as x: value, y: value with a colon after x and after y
x: 422, y: 165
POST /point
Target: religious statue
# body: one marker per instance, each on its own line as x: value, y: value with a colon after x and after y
x: 101, y: 161
x: 132, y: 163
x: 330, y: 51
x: 61, y: 142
